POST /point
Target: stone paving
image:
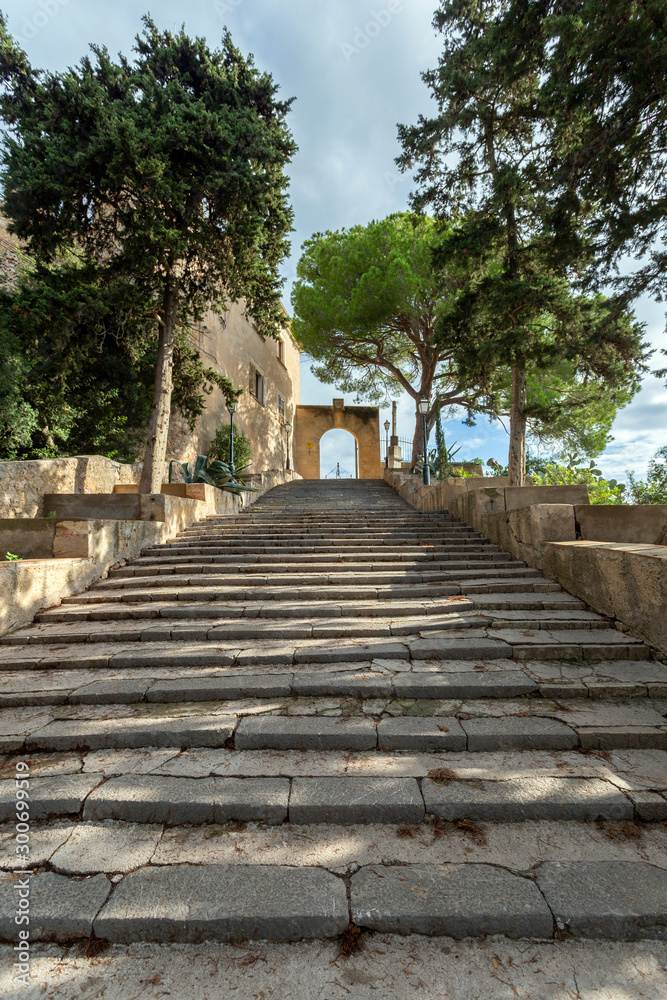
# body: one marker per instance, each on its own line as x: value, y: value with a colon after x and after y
x: 328, y: 709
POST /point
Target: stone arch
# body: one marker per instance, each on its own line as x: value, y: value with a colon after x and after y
x: 312, y: 422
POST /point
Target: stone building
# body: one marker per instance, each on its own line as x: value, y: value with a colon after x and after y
x: 268, y: 372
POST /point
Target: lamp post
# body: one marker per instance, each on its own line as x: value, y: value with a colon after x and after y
x: 232, y: 407
x: 386, y: 435
x: 423, y: 406
x: 288, y: 428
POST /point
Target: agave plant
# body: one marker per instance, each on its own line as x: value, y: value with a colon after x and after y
x: 439, y: 468
x: 217, y: 473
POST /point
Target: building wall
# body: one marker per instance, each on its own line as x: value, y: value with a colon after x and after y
x: 232, y: 345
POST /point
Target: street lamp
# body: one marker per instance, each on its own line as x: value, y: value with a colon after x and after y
x: 423, y: 406
x: 288, y: 428
x: 232, y: 406
x: 387, y: 425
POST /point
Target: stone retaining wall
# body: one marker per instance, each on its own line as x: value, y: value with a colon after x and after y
x: 23, y: 485
x: 63, y: 555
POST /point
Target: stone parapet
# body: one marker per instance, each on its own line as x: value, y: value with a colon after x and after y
x: 23, y: 485
x: 626, y: 581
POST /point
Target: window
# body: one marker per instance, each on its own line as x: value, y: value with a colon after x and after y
x: 281, y: 351
x: 257, y: 385
x: 281, y: 407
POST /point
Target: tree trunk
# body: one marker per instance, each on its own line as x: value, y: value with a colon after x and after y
x: 418, y: 438
x: 517, y: 456
x: 158, y: 425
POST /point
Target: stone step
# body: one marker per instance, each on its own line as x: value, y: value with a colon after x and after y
x: 398, y: 568
x: 389, y: 593
x: 452, y: 680
x: 340, y: 799
x: 523, y: 628
x: 197, y: 903
x: 170, y: 577
x: 497, y: 610
x: 218, y: 554
x: 248, y: 725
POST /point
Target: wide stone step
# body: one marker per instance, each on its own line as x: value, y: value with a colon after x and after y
x: 477, y: 726
x: 551, y: 607
x: 452, y: 680
x: 389, y: 593
x: 170, y: 577
x: 192, y: 904
x: 221, y: 554
x: 342, y: 800
x: 397, y: 568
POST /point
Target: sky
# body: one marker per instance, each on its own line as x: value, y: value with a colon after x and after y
x: 354, y: 68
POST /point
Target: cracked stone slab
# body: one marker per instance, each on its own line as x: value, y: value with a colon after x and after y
x: 224, y: 903
x: 651, y: 807
x: 464, y: 685
x: 454, y: 900
x: 355, y: 800
x: 512, y: 733
x: 61, y: 795
x: 539, y: 798
x: 470, y: 648
x: 192, y: 731
x: 61, y: 908
x: 112, y: 691
x: 421, y: 733
x: 622, y: 900
x: 221, y: 688
x: 353, y: 685
x: 174, y: 800
x: 106, y: 847
x: 305, y: 733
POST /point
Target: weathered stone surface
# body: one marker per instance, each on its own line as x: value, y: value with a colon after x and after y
x: 220, y: 903
x: 220, y: 688
x: 419, y: 733
x: 453, y: 900
x: 299, y: 733
x: 106, y: 847
x: 512, y: 733
x: 188, y: 731
x: 60, y: 908
x: 355, y: 800
x: 619, y: 900
x: 459, y: 649
x: 110, y: 692
x: 650, y: 806
x: 61, y: 795
x: 509, y: 684
x: 542, y: 798
x: 157, y: 799
x: 350, y: 685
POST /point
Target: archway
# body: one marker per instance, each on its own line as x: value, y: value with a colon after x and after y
x: 339, y: 455
x: 312, y: 422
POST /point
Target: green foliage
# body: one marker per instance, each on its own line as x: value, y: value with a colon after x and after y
x: 480, y: 162
x: 11, y: 557
x: 654, y: 489
x: 365, y: 305
x: 220, y: 447
x: 600, y: 490
x: 216, y: 473
x: 166, y: 173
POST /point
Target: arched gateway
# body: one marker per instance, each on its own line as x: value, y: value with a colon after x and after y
x: 312, y: 422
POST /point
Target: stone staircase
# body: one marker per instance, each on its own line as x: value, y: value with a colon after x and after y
x: 333, y: 710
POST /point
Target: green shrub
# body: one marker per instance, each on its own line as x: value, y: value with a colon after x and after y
x: 220, y: 447
x: 600, y: 490
x: 654, y: 490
